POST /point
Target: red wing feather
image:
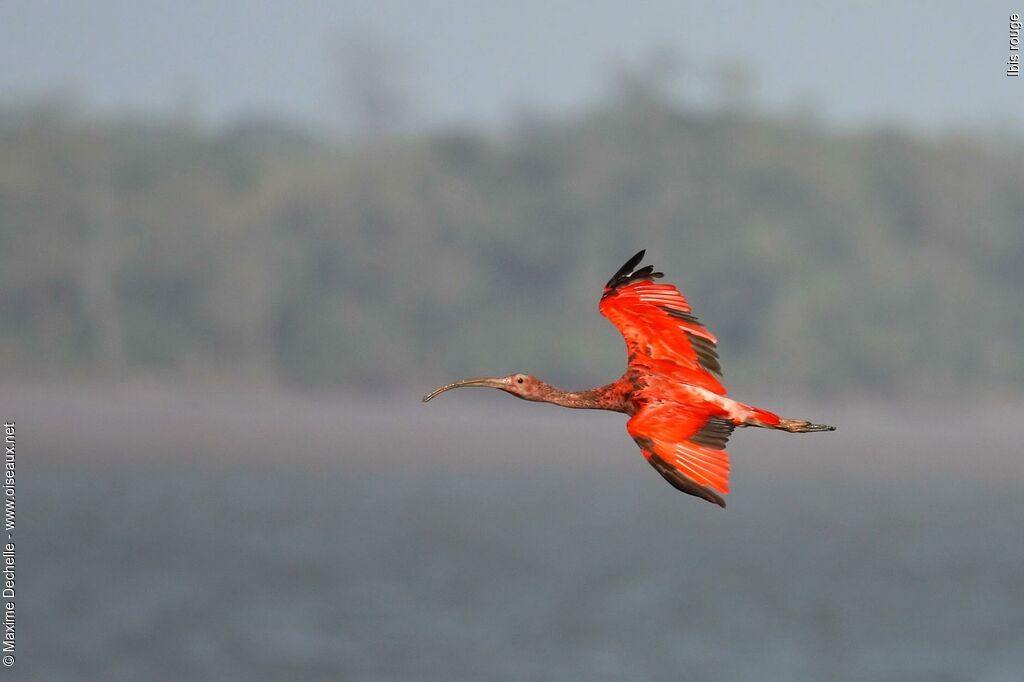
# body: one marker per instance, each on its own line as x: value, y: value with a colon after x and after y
x: 686, y: 446
x: 671, y: 352
x: 657, y: 323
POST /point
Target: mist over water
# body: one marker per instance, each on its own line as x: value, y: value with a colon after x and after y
x: 174, y: 534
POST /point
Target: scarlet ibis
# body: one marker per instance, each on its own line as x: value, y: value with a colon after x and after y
x: 679, y: 415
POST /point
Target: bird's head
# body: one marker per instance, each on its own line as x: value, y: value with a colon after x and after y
x: 523, y: 386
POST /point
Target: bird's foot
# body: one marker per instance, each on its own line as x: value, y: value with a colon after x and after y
x: 802, y: 426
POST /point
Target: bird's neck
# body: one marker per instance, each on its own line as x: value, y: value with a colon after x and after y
x: 607, y: 397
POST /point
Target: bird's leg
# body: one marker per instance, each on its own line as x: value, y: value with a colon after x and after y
x: 790, y: 425
x: 802, y: 426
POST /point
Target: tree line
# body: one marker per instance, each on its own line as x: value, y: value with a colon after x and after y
x: 873, y: 260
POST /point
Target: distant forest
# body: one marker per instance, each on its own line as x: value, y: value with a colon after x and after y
x: 860, y: 262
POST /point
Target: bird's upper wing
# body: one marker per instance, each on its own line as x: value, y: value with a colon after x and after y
x: 686, y: 445
x: 658, y: 325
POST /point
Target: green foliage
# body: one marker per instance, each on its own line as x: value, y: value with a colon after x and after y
x: 868, y: 261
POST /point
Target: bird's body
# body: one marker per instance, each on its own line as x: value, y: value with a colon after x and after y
x: 679, y: 413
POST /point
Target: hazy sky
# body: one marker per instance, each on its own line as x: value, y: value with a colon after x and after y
x: 933, y: 64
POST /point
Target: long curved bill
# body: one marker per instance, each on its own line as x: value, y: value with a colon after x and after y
x: 490, y: 382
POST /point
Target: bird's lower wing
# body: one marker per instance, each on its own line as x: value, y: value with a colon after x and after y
x: 686, y: 446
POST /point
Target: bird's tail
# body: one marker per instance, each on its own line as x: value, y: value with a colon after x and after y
x: 769, y: 420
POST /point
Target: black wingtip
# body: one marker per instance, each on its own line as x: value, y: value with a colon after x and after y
x: 628, y: 273
x: 626, y: 269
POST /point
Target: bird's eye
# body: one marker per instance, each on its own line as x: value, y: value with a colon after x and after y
x: 519, y: 380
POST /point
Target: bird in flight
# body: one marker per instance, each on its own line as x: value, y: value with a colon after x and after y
x: 679, y: 413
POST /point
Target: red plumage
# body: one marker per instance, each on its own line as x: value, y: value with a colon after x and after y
x: 679, y: 413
